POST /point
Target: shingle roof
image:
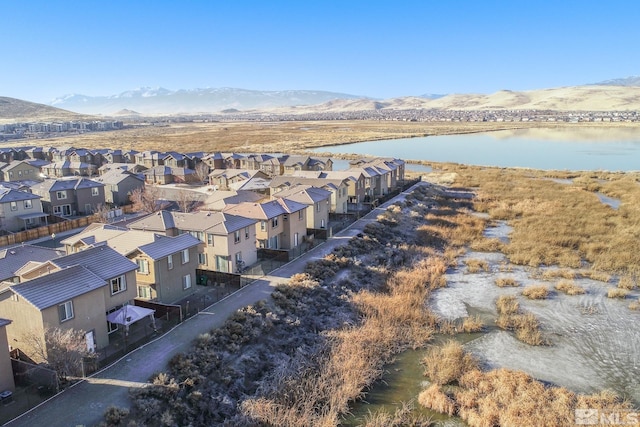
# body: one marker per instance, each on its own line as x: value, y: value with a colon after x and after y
x: 10, y: 195
x: 266, y: 210
x: 59, y: 286
x: 12, y: 259
x: 102, y: 261
x: 50, y: 185
x: 304, y: 194
x: 166, y: 246
x: 159, y: 221
x: 115, y: 176
x: 4, y: 322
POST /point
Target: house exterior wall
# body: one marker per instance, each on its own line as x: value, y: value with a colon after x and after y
x: 270, y: 231
x: 118, y: 194
x: 295, y: 224
x: 246, y: 247
x: 6, y: 372
x: 318, y: 214
x: 89, y: 313
x: 87, y: 202
x: 169, y: 282
x: 20, y: 172
x: 9, y: 218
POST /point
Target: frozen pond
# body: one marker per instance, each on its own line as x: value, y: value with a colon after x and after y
x: 594, y: 343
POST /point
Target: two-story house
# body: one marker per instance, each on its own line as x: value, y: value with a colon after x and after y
x: 281, y: 222
x: 228, y: 242
x: 19, y: 170
x: 20, y: 210
x: 166, y: 268
x: 317, y: 201
x: 12, y: 259
x: 118, y: 185
x: 70, y: 196
x: 6, y: 371
x: 75, y: 291
x: 338, y: 187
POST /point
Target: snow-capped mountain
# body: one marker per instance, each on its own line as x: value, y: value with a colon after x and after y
x: 164, y: 101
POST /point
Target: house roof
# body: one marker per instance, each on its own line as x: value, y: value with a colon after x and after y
x: 165, y: 246
x: 12, y: 259
x: 74, y: 183
x: 59, y: 286
x: 266, y: 210
x: 159, y: 221
x: 305, y: 194
x: 116, y: 176
x: 102, y: 261
x: 219, y: 199
x: 4, y: 322
x: 10, y: 195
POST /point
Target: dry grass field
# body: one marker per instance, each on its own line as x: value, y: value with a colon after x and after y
x: 279, y: 136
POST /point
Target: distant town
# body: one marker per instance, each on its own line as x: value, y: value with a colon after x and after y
x: 38, y: 130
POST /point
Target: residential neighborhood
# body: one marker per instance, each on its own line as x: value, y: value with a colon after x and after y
x: 209, y: 220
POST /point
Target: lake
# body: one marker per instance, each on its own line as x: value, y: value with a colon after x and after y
x: 588, y: 148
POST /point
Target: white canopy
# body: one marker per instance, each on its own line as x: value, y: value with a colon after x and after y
x: 129, y: 314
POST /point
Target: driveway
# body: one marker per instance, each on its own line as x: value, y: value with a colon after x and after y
x: 84, y: 404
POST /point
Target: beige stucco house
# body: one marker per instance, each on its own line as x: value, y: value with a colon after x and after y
x: 75, y: 291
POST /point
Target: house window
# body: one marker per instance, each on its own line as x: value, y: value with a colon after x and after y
x: 170, y: 261
x: 274, y: 222
x: 14, y: 206
x: 65, y: 311
x: 185, y: 256
x: 143, y: 266
x: 118, y: 284
x: 236, y: 237
x: 144, y: 292
x: 246, y: 233
x: 318, y: 207
x: 210, y: 239
x: 61, y: 195
x: 112, y: 327
x: 263, y: 225
x: 95, y: 191
x: 300, y: 216
x: 28, y: 204
x: 198, y: 235
x: 186, y: 281
x: 202, y: 258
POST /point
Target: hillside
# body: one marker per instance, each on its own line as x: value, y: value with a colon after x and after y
x: 576, y: 98
x: 16, y: 110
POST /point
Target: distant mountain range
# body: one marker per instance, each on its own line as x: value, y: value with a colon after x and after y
x: 611, y: 95
x: 627, y: 81
x: 152, y: 101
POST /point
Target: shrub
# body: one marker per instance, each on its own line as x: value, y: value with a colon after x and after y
x: 434, y: 399
x: 445, y: 364
x: 472, y: 324
x: 635, y: 305
x: 617, y: 293
x: 536, y: 292
x: 569, y: 287
x: 114, y: 415
x: 504, y: 282
x: 507, y: 304
x: 476, y: 265
x: 627, y: 282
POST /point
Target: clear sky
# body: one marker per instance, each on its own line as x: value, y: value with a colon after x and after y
x: 372, y: 48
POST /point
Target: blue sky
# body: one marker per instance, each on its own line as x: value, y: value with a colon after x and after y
x: 374, y: 48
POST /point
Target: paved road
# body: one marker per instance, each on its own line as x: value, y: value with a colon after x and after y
x: 85, y: 403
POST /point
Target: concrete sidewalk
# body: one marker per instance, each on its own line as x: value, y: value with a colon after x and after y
x: 84, y: 404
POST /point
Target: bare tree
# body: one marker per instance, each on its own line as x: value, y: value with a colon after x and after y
x: 185, y: 201
x: 146, y: 199
x: 62, y: 349
x: 102, y: 211
x: 202, y: 171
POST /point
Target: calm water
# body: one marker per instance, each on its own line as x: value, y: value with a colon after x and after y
x: 554, y: 149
